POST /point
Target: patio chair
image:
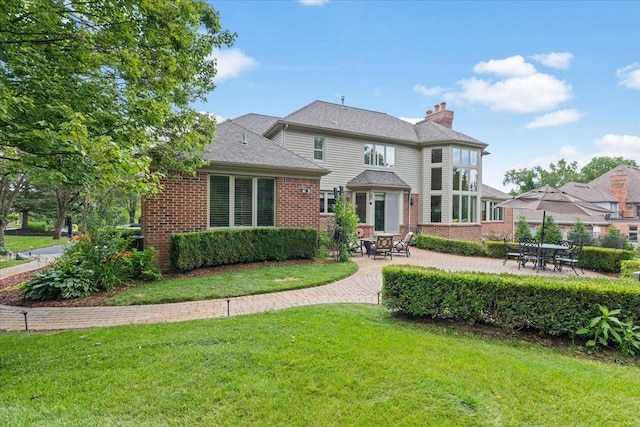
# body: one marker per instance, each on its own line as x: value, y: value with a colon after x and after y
x: 510, y: 251
x: 356, y: 245
x: 529, y: 250
x: 403, y: 246
x: 383, y: 246
x: 571, y: 258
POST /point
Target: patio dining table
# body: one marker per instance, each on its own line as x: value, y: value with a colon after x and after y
x: 547, y: 252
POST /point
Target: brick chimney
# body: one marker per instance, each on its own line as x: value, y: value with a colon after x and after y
x: 619, y: 189
x: 441, y: 115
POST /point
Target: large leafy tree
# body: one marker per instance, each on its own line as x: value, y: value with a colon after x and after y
x: 601, y: 165
x: 95, y: 92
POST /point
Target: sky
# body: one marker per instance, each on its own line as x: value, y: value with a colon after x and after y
x: 539, y: 81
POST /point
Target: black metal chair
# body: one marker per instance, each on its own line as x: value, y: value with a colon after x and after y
x: 510, y: 251
x: 383, y: 246
x: 571, y: 258
x: 529, y: 250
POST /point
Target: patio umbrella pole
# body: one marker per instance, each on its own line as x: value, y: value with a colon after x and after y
x: 544, y: 213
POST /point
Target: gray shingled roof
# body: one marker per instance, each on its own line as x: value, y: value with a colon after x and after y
x: 256, y: 123
x: 371, y: 178
x: 493, y: 193
x: 228, y: 147
x: 588, y: 192
x: 342, y: 118
x: 603, y: 182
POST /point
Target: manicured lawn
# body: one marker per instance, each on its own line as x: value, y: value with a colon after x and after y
x: 26, y: 243
x: 236, y: 283
x: 335, y: 365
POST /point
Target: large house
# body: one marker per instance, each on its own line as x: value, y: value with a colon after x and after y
x: 271, y: 171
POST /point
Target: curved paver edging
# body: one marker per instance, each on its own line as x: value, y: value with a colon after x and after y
x: 363, y: 287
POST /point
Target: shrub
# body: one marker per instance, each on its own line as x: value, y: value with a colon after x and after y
x: 553, y: 305
x: 628, y: 267
x: 189, y: 251
x: 604, y: 259
x: 37, y: 225
x: 439, y: 244
x: 90, y: 264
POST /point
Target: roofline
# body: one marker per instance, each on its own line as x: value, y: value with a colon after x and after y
x: 279, y: 124
x: 274, y: 170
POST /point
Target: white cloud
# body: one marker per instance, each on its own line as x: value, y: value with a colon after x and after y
x: 561, y: 60
x: 411, y: 120
x: 527, y: 94
x: 313, y: 2
x: 557, y: 118
x: 629, y: 76
x: 428, y: 91
x: 231, y: 63
x: 509, y: 67
x: 627, y: 146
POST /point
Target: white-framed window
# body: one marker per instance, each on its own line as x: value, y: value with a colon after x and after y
x: 318, y: 148
x: 490, y: 212
x: 241, y: 201
x: 633, y: 233
x: 379, y: 155
x: 464, y: 208
x: 327, y: 201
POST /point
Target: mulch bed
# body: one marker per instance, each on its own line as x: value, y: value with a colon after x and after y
x: 13, y: 296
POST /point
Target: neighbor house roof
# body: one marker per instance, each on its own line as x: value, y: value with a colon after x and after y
x: 366, y: 123
x: 237, y: 145
x: 588, y: 192
x: 493, y: 193
x: 603, y: 182
x: 373, y: 178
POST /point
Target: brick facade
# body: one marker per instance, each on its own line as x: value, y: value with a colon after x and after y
x: 182, y: 207
x: 469, y: 232
x: 504, y: 228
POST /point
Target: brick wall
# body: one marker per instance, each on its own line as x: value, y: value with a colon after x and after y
x: 182, y: 207
x: 469, y: 232
x: 295, y: 207
x: 619, y: 189
x: 503, y: 228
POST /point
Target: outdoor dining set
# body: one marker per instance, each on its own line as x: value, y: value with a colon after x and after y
x: 543, y: 256
x: 383, y: 245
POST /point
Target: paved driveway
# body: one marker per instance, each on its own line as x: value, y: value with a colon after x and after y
x: 362, y: 287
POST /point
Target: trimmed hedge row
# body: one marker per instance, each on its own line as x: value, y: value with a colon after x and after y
x: 555, y: 306
x: 440, y: 244
x: 627, y: 268
x: 189, y: 251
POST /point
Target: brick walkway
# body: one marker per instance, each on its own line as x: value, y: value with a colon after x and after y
x: 362, y: 287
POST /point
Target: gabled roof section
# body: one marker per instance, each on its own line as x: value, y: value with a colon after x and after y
x: 366, y: 123
x: 588, y: 192
x: 603, y: 182
x: 433, y: 132
x: 256, y: 123
x: 372, y: 178
x: 236, y: 145
x: 493, y: 193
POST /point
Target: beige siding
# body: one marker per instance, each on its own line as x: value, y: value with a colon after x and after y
x: 277, y: 138
x: 345, y: 158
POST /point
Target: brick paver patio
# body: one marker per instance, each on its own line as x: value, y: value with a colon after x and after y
x: 362, y: 287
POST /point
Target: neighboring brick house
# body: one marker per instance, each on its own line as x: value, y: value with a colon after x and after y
x: 425, y: 177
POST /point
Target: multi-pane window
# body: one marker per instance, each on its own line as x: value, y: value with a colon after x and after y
x: 436, y: 208
x: 464, y: 208
x: 327, y: 201
x: 379, y: 155
x: 241, y: 201
x: 464, y: 202
x: 361, y: 207
x: 490, y: 212
x: 318, y: 148
x: 633, y: 233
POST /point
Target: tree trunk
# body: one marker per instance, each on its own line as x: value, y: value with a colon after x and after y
x: 3, y: 227
x: 9, y: 190
x: 63, y: 196
x: 25, y: 219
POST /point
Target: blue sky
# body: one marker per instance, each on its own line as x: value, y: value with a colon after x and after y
x: 538, y: 81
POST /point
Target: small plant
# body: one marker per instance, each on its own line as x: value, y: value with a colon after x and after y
x: 608, y: 327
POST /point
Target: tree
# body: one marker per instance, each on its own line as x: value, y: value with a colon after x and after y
x: 12, y: 182
x: 601, y: 165
x: 536, y: 177
x: 345, y: 222
x: 95, y: 92
x: 552, y: 232
x: 522, y: 228
x: 579, y: 234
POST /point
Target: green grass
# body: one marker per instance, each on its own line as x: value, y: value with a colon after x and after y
x: 26, y: 243
x: 5, y: 264
x: 237, y: 283
x: 334, y: 365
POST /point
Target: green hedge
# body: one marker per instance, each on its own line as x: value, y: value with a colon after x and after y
x: 189, y: 251
x: 439, y: 244
x: 628, y: 267
x: 551, y: 305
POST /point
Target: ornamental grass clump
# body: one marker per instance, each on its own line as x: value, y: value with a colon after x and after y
x: 92, y: 263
